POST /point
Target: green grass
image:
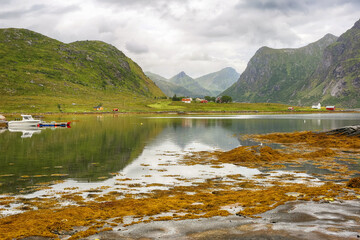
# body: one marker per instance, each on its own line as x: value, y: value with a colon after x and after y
x: 166, y: 105
x: 130, y: 103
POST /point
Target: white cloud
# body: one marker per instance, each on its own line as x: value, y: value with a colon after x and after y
x: 197, y: 36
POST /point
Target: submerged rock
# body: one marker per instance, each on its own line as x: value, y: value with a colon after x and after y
x: 354, y: 183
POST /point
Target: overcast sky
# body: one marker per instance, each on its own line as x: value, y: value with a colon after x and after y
x: 195, y: 36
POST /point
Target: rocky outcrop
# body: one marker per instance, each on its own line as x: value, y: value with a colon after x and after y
x: 348, y: 131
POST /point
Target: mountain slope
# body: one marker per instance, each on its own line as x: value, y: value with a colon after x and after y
x: 189, y: 83
x: 170, y: 89
x: 337, y: 77
x: 276, y: 75
x: 36, y: 65
x: 217, y: 82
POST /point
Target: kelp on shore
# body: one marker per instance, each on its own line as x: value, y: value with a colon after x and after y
x: 46, y: 217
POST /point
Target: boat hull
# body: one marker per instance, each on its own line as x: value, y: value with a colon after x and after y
x: 23, y: 124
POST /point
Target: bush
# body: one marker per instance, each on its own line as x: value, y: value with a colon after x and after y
x: 210, y: 99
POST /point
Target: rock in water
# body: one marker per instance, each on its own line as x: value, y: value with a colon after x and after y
x: 348, y: 131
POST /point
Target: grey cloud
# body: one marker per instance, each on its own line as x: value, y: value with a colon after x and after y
x: 37, y: 9
x: 278, y: 5
x: 20, y: 13
x: 199, y: 57
x: 161, y: 7
x: 136, y: 48
x: 67, y: 9
x: 3, y: 2
x: 139, y: 2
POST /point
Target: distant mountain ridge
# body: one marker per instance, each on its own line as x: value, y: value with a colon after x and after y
x: 217, y: 82
x: 276, y: 75
x: 189, y: 83
x: 170, y: 89
x: 208, y: 85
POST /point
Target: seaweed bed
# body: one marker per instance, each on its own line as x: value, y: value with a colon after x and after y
x: 100, y: 211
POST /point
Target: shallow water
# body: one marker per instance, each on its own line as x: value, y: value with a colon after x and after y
x: 143, y: 148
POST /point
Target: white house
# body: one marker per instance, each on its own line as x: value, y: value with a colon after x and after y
x: 316, y: 106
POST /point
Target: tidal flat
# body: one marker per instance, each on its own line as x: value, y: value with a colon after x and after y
x: 250, y: 192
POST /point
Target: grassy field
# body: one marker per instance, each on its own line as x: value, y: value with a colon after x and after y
x: 129, y: 103
x: 166, y: 105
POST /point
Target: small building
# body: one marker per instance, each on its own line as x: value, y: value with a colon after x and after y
x: 204, y: 101
x: 330, y: 108
x: 186, y: 100
x: 318, y: 106
x: 291, y: 108
x: 115, y: 109
x: 98, y: 108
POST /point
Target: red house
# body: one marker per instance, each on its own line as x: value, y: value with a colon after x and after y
x: 330, y: 108
x: 204, y: 101
x: 186, y: 100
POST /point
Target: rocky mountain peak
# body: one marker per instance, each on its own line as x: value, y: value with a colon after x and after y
x: 180, y: 75
x: 357, y: 24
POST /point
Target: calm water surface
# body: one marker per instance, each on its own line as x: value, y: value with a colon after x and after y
x: 97, y: 147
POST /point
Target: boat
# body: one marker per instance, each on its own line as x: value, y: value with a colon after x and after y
x: 54, y: 124
x: 27, y: 121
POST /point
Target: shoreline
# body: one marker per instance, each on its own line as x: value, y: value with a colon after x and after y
x: 185, y: 112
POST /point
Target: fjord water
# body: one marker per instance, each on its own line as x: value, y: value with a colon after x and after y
x: 99, y: 146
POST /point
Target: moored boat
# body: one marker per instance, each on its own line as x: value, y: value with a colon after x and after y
x: 54, y: 124
x: 27, y: 121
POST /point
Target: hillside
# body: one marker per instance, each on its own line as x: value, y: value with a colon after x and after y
x: 170, y: 89
x: 219, y: 81
x: 190, y: 84
x: 337, y: 77
x: 276, y: 75
x: 34, y: 66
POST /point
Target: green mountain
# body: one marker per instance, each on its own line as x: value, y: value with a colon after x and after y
x: 337, y: 77
x: 170, y: 89
x: 217, y: 82
x: 33, y: 65
x: 189, y: 83
x: 276, y: 75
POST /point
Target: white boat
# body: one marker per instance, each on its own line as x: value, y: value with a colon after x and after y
x: 27, y: 121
